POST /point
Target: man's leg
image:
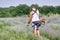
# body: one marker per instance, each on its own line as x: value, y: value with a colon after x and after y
x: 35, y: 32
x: 38, y: 32
x: 35, y: 29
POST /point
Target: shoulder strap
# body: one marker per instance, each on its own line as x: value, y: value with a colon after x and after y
x: 34, y: 12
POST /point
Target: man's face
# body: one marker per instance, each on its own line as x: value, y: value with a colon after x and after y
x: 33, y: 9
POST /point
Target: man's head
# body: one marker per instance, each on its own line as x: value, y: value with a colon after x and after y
x: 33, y: 7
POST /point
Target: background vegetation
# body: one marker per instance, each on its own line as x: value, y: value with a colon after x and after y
x: 24, y: 9
x: 16, y: 29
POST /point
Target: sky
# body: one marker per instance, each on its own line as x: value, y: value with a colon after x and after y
x: 7, y: 3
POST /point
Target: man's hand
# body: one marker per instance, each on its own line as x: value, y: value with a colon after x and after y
x: 27, y: 23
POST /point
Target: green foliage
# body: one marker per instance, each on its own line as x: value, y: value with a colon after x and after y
x: 7, y: 33
x: 24, y: 9
x: 57, y: 9
x: 55, y: 26
x: 50, y: 35
x: 3, y: 24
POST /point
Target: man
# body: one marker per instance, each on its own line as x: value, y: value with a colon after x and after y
x: 35, y: 18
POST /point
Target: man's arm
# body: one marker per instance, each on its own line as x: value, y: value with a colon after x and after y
x: 30, y: 18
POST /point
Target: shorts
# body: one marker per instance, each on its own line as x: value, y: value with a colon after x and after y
x: 36, y: 24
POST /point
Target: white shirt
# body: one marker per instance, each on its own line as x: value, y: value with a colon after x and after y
x: 35, y: 16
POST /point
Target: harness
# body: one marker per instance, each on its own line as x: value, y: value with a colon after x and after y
x: 34, y: 12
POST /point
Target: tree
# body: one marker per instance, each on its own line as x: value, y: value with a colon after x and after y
x: 57, y: 9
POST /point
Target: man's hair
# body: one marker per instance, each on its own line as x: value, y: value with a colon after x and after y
x: 32, y: 6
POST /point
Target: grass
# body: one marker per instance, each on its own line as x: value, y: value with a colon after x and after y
x: 8, y: 34
x: 55, y: 26
x: 12, y: 35
x: 8, y: 31
x: 50, y: 35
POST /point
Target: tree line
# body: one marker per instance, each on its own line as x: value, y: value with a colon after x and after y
x: 24, y: 9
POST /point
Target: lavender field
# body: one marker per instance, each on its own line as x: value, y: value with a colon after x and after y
x: 16, y: 29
